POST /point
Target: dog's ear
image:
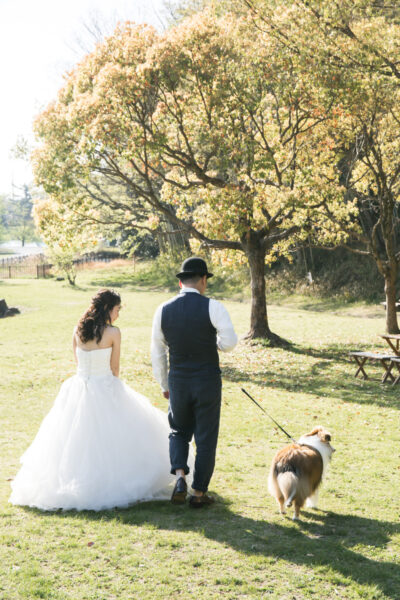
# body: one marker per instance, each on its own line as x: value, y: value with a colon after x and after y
x: 323, y: 434
x: 315, y: 431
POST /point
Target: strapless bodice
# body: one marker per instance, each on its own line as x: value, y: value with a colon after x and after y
x: 94, y: 362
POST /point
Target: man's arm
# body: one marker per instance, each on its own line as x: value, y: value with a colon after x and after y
x: 219, y: 317
x: 159, y: 349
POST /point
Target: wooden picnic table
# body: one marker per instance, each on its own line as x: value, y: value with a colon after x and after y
x: 395, y: 361
x: 393, y: 339
x: 361, y: 359
x: 388, y: 362
x: 397, y: 306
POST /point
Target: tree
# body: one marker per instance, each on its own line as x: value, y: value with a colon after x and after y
x: 2, y: 216
x: 209, y: 127
x: 111, y: 209
x: 18, y: 217
x: 64, y: 239
x: 353, y: 46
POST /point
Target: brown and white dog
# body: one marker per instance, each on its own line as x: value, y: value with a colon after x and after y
x: 297, y: 470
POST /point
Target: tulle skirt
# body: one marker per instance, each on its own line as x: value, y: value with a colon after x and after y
x: 102, y: 445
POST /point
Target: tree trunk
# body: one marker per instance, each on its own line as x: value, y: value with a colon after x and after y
x: 259, y: 327
x: 390, y: 292
x: 71, y: 275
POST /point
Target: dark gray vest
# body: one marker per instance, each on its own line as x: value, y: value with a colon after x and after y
x: 190, y: 335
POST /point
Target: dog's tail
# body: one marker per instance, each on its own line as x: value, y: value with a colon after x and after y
x: 288, y: 484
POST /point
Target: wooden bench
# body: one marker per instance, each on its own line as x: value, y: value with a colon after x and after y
x: 395, y: 360
x: 361, y: 359
x: 397, y: 306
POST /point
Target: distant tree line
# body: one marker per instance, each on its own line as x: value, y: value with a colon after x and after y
x: 16, y: 220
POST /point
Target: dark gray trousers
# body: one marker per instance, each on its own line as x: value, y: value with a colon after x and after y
x: 194, y: 409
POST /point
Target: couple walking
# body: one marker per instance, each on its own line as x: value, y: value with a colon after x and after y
x: 103, y: 444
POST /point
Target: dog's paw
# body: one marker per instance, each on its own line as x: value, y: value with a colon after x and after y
x: 295, y: 518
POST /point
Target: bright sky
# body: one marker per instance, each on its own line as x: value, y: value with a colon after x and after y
x: 39, y: 41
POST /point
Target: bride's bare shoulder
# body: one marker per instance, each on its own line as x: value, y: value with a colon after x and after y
x: 112, y: 332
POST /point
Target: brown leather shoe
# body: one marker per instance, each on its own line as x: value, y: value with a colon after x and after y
x: 200, y: 501
x: 180, y: 492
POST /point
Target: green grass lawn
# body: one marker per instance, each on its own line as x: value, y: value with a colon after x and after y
x: 241, y: 547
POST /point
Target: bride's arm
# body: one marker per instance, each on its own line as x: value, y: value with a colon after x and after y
x: 74, y: 344
x: 116, y: 350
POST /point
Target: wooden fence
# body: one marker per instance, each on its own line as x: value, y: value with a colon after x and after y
x: 18, y: 271
x: 24, y: 266
x: 35, y: 267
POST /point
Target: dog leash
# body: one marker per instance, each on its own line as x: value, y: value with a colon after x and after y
x: 264, y: 411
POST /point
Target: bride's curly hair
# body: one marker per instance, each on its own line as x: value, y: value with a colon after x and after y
x: 92, y: 324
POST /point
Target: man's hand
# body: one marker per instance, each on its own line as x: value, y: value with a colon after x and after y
x: 166, y: 395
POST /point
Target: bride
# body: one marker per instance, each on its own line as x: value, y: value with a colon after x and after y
x: 102, y: 444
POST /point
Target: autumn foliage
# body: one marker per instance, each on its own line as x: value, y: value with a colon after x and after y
x: 220, y: 125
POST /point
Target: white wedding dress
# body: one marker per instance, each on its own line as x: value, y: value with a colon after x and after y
x: 102, y: 445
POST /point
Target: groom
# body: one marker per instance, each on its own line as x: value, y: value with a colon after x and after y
x: 193, y: 328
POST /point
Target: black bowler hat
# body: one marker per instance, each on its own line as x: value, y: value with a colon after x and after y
x: 194, y: 266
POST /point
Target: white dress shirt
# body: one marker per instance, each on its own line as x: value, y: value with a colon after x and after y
x: 219, y: 317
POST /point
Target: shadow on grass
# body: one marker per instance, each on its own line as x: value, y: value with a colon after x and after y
x: 19, y: 282
x: 149, y: 282
x: 336, y: 352
x: 141, y: 281
x: 335, y: 306
x: 320, y: 378
x: 131, y: 285
x: 323, y: 540
x: 315, y: 382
